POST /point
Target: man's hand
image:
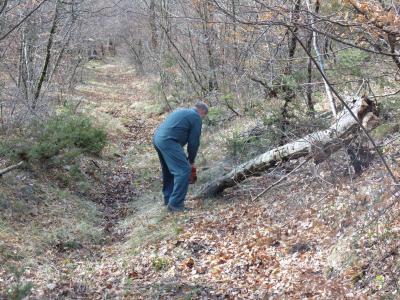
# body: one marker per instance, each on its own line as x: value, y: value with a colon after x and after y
x: 193, y: 175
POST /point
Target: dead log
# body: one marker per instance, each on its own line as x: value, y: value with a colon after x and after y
x: 320, y: 145
x: 10, y: 168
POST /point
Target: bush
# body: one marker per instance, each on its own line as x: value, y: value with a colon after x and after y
x: 242, y: 147
x: 20, y: 289
x: 159, y: 263
x: 215, y: 116
x: 66, y: 135
x: 349, y: 61
x: 237, y: 145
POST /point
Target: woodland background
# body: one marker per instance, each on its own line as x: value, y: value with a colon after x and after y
x: 84, y: 84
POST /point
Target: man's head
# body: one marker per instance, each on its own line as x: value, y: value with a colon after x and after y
x: 202, y: 109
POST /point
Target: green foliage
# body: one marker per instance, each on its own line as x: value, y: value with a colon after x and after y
x: 350, y: 60
x: 272, y: 118
x: 68, y: 131
x: 178, y: 229
x: 380, y: 279
x: 159, y: 263
x: 72, y: 245
x: 215, y: 115
x: 390, y: 112
x: 241, y: 147
x: 390, y: 108
x: 20, y: 289
x: 245, y: 145
x: 169, y: 61
x: 384, y: 129
x: 290, y: 81
x: 62, y: 139
x: 9, y: 253
x: 236, y: 145
x: 229, y: 99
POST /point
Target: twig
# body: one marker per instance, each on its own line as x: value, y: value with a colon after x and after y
x: 10, y: 168
x: 281, y: 179
x: 387, y: 95
x: 95, y: 164
x: 22, y: 21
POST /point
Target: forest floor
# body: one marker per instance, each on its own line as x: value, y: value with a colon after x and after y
x: 315, y: 235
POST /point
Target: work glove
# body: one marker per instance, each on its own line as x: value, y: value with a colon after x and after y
x: 193, y: 175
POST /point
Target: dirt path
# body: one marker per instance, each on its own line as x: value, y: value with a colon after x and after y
x: 133, y: 213
x: 75, y: 241
x: 203, y: 254
x: 279, y: 247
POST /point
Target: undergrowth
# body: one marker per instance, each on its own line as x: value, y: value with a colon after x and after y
x: 60, y: 139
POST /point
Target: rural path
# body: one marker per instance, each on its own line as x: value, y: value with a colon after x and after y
x: 204, y: 253
x: 221, y: 248
x: 226, y: 248
x: 128, y: 195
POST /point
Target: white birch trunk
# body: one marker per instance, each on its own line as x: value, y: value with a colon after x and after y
x: 318, y: 144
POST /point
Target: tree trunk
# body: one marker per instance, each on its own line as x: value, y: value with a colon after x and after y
x: 289, y: 92
x: 309, y: 88
x: 43, y: 73
x: 153, y: 25
x: 207, y: 15
x: 318, y: 144
x: 320, y: 57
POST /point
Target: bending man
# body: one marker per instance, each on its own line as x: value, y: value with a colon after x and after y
x: 181, y: 127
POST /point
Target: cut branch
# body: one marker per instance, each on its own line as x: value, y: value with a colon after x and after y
x: 10, y: 168
x: 320, y: 145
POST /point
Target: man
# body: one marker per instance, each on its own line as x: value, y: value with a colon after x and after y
x: 181, y: 127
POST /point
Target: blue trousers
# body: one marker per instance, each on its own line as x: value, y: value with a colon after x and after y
x: 175, y: 171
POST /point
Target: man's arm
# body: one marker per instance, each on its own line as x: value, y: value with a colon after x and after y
x: 194, y: 140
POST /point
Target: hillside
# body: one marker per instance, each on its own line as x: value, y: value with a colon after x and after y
x: 319, y: 234
x: 295, y: 105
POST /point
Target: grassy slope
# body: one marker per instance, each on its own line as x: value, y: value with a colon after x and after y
x: 133, y: 248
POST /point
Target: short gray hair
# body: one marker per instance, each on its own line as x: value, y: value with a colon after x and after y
x: 201, y: 105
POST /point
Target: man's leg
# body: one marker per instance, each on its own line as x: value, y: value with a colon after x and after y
x: 178, y: 165
x: 168, y: 178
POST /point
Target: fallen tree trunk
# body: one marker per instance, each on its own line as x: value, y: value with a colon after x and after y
x: 319, y: 144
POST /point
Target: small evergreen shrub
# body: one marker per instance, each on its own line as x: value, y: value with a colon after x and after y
x: 350, y: 60
x: 159, y: 263
x: 68, y: 131
x: 20, y: 289
x: 60, y: 139
x: 215, y: 116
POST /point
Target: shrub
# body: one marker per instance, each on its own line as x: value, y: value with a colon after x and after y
x: 244, y: 145
x: 66, y: 135
x: 236, y: 145
x: 349, y: 61
x: 68, y: 131
x: 215, y: 116
x: 159, y: 263
x: 390, y: 109
x: 20, y: 289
